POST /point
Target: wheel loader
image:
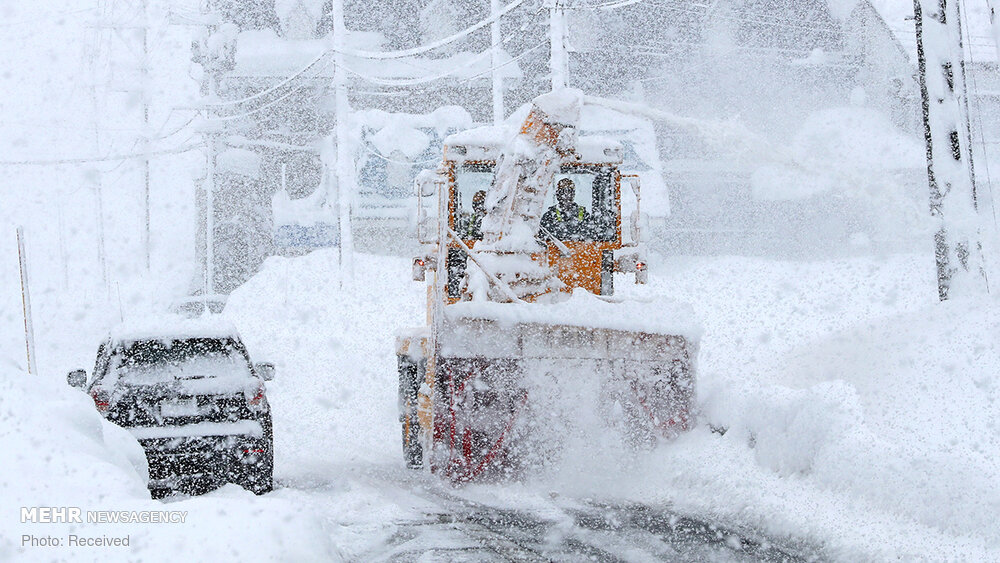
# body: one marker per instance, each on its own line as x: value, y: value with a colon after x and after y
x: 528, y: 357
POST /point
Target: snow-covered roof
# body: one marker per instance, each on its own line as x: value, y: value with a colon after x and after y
x: 173, y: 327
x: 239, y: 161
x: 978, y: 39
x: 408, y: 133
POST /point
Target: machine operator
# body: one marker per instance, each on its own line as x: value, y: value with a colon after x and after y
x: 567, y: 220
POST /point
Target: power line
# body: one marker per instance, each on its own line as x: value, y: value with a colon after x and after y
x: 266, y: 105
x: 381, y: 55
x: 85, y: 160
x: 276, y: 86
x: 606, y: 5
x: 426, y: 79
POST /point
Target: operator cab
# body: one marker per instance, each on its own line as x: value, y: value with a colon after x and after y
x: 589, y: 180
x: 581, y: 220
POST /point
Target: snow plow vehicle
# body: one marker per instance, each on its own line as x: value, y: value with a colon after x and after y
x: 527, y: 353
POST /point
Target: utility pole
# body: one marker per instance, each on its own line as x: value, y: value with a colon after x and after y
x: 994, y: 25
x: 498, y: 111
x: 127, y: 31
x: 210, y: 212
x: 93, y: 59
x: 143, y: 92
x: 948, y: 136
x: 557, y: 45
x: 344, y: 164
x: 29, y: 328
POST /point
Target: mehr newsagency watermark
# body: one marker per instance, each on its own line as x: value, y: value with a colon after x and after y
x: 77, y: 515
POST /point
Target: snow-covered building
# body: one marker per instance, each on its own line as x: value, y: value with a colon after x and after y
x: 269, y: 74
x: 982, y: 64
x: 781, y: 70
x: 779, y: 73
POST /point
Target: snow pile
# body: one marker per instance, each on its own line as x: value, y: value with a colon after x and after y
x: 861, y: 413
x: 58, y: 452
x: 334, y: 390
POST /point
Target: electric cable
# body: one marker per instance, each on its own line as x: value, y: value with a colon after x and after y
x: 85, y: 160
x: 979, y: 113
x: 276, y: 86
x: 381, y: 55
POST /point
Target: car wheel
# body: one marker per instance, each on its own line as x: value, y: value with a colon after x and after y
x: 258, y: 477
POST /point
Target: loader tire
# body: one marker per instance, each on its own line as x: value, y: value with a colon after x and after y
x: 410, y: 376
x: 413, y: 453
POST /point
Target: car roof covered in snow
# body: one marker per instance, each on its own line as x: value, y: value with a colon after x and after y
x: 173, y: 327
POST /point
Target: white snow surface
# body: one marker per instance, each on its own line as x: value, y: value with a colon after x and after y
x: 583, y: 309
x: 873, y: 160
x: 861, y: 416
x: 58, y: 451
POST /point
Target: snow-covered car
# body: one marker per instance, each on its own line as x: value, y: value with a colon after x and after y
x: 198, y: 305
x: 188, y: 392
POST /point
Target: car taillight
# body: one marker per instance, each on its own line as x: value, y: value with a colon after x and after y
x: 640, y: 266
x: 101, y: 399
x: 258, y: 397
x: 419, y: 262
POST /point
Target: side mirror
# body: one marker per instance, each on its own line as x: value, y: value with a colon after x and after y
x: 265, y: 370
x: 427, y: 230
x: 427, y: 182
x: 633, y: 182
x: 77, y: 378
x: 638, y: 227
x: 426, y: 189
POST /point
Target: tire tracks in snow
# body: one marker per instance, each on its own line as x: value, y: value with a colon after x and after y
x: 568, y: 530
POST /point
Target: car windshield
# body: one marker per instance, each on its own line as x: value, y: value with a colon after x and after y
x: 152, y: 361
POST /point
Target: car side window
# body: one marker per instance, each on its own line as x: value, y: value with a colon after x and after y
x: 239, y: 347
x: 101, y: 365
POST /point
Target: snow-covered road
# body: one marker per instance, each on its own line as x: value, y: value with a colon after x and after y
x: 444, y: 523
x: 861, y: 420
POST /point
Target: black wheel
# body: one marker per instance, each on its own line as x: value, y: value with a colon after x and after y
x: 257, y: 476
x: 410, y: 375
x: 413, y: 452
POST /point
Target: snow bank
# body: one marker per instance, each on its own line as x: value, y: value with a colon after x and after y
x: 861, y: 413
x: 332, y: 342
x: 58, y: 451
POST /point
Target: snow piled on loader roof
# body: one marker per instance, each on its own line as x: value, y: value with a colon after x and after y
x: 657, y: 315
x: 487, y: 143
x: 561, y: 106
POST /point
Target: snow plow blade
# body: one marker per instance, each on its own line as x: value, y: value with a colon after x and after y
x: 517, y: 395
